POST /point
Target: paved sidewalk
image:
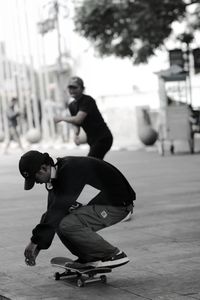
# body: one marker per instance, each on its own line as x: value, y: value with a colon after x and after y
x: 162, y: 240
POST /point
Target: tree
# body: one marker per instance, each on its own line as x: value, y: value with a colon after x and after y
x: 131, y: 28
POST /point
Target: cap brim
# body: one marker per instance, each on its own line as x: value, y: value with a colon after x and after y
x: 29, y: 183
x: 72, y: 86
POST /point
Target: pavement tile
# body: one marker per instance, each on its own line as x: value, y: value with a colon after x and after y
x: 162, y: 239
x: 173, y: 296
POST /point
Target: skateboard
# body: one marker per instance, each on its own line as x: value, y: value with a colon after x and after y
x: 82, y: 275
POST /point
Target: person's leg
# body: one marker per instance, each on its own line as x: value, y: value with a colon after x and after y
x: 100, y: 148
x: 8, y: 141
x: 17, y: 137
x: 77, y: 231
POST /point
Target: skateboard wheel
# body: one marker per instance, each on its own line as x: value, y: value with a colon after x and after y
x: 103, y: 278
x: 57, y: 276
x: 80, y: 282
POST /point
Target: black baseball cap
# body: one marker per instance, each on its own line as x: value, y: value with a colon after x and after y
x: 29, y: 165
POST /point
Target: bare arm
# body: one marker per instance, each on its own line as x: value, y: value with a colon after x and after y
x: 75, y: 120
x: 80, y: 136
x: 76, y: 134
x: 76, y: 130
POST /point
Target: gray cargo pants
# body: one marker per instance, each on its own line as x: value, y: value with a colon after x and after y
x: 77, y: 230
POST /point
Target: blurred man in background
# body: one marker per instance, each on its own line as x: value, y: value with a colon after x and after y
x: 86, y: 115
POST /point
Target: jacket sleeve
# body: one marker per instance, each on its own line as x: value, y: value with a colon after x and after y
x: 60, y: 199
x: 44, y: 232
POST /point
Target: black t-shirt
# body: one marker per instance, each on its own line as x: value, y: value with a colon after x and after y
x: 12, y: 117
x: 94, y: 124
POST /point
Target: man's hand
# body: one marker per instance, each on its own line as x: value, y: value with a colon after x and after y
x: 77, y: 140
x: 74, y: 206
x: 30, y: 253
x: 58, y: 119
x: 80, y: 138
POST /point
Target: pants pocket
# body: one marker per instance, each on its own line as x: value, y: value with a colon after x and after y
x: 110, y: 215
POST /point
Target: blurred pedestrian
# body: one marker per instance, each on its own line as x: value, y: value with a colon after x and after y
x: 13, y: 115
x: 86, y: 115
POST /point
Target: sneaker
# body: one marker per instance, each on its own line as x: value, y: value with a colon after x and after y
x: 80, y: 261
x: 116, y: 260
x: 76, y: 265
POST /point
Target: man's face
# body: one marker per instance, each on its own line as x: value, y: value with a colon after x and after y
x: 75, y: 91
x: 43, y: 175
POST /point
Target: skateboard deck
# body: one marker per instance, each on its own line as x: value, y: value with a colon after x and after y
x: 82, y: 275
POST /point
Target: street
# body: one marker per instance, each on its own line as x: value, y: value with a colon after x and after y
x: 162, y: 239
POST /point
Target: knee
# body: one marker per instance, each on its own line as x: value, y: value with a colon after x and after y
x: 67, y: 226
x: 63, y: 226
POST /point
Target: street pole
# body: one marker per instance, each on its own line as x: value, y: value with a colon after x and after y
x: 51, y: 23
x: 186, y: 38
x: 188, y: 52
x: 60, y: 65
x: 56, y: 7
x: 33, y: 98
x: 24, y: 66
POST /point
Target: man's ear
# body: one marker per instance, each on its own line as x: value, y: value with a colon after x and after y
x: 44, y: 167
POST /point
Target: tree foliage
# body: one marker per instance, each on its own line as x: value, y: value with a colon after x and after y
x: 129, y: 28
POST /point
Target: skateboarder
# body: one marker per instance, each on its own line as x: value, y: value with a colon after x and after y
x: 77, y: 225
x: 85, y: 114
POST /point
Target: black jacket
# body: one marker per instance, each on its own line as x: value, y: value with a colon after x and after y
x: 73, y: 173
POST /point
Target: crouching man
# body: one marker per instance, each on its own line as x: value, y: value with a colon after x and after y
x: 75, y: 224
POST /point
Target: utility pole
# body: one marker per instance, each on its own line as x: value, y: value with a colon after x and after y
x: 52, y: 23
x: 57, y: 8
x: 60, y: 65
x: 187, y: 38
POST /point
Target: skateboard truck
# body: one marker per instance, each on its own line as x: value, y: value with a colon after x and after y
x: 82, y: 279
x: 82, y: 275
